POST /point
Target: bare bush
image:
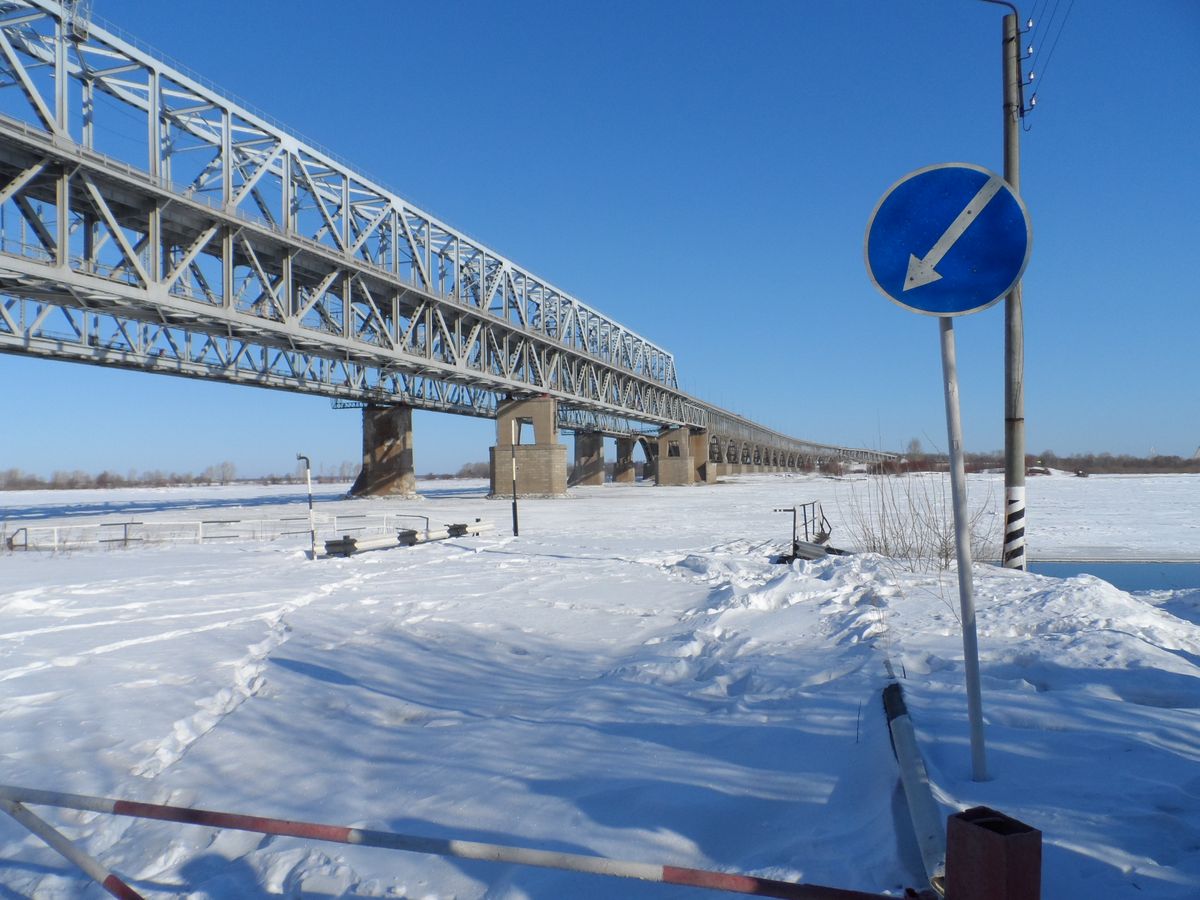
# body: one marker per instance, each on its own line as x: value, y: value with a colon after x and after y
x: 910, y: 518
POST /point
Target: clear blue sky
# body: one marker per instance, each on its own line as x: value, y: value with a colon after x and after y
x: 703, y: 172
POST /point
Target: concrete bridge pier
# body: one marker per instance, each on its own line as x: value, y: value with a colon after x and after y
x: 675, y: 463
x: 589, y: 458
x: 624, y: 469
x: 650, y: 449
x: 542, y: 465
x: 703, y: 471
x: 387, y: 453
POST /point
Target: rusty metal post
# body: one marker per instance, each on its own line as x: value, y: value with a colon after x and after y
x: 991, y: 856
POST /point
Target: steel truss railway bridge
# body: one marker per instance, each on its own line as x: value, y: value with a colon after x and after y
x: 212, y: 243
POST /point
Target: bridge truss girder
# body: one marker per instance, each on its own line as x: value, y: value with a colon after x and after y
x: 35, y: 328
x: 142, y: 254
x: 219, y: 217
x: 210, y: 242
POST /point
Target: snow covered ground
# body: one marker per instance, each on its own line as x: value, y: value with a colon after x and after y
x: 631, y: 677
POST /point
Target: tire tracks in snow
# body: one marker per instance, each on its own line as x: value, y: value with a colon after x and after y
x: 168, y: 617
x: 115, y: 646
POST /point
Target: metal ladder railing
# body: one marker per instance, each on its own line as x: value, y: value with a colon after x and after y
x: 811, y: 518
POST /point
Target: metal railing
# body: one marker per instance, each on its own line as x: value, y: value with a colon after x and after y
x: 123, y: 533
x: 811, y: 518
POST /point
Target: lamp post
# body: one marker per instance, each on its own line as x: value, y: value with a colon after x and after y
x: 513, y: 447
x: 312, y: 528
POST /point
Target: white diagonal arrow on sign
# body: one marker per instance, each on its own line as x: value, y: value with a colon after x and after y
x: 921, y: 271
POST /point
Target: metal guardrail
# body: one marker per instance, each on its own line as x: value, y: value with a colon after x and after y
x: 811, y: 518
x: 88, y: 535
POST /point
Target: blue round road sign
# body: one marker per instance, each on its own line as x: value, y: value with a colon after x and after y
x: 948, y: 240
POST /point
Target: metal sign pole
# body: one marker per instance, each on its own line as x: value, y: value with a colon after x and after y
x: 962, y: 544
x: 950, y: 240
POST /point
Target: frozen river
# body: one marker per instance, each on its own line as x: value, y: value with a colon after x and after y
x: 630, y: 678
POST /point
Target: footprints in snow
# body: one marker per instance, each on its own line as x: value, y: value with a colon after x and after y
x: 714, y: 656
x: 248, y: 679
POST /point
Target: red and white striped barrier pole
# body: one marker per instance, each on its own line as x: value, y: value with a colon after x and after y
x: 550, y: 859
x: 89, y: 866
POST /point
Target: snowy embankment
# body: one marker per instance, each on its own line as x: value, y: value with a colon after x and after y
x: 631, y: 677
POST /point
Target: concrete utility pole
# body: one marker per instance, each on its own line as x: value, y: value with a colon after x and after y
x: 1014, y: 320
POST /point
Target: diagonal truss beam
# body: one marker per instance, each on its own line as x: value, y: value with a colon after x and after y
x: 401, y: 305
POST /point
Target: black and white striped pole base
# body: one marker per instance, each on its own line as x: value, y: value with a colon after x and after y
x: 1014, y: 528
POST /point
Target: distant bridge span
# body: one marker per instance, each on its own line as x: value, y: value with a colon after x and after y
x: 207, y: 241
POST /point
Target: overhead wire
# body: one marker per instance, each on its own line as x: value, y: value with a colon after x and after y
x: 1037, y: 15
x: 1044, y: 26
x: 1050, y: 55
x: 1040, y: 18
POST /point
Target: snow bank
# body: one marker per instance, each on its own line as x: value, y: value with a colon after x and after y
x: 631, y: 677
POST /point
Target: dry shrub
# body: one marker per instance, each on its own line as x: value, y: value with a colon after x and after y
x: 910, y: 518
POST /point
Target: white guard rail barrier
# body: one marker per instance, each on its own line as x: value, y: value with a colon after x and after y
x: 124, y: 533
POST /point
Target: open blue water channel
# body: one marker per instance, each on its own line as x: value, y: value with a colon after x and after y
x: 1129, y: 576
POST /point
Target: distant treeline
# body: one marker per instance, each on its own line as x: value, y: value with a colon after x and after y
x: 1108, y: 464
x: 221, y: 473
x: 470, y: 470
x: 914, y: 460
x: 1082, y: 463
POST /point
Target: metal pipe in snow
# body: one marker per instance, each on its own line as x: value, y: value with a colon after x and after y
x: 73, y: 854
x: 922, y: 809
x: 549, y: 859
x: 386, y: 543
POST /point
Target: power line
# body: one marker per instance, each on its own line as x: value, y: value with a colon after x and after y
x: 1035, y: 16
x: 1049, y: 14
x: 1053, y: 47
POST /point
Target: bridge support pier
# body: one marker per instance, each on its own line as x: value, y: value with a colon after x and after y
x: 624, y: 470
x: 387, y: 454
x: 675, y: 464
x: 589, y: 458
x: 703, y: 471
x: 650, y: 448
x: 542, y: 465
